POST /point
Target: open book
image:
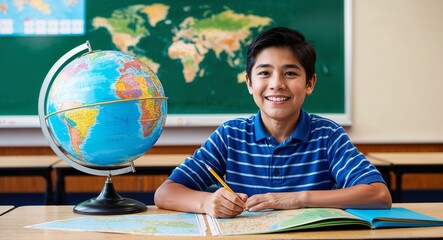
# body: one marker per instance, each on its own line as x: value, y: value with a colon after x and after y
x: 310, y: 218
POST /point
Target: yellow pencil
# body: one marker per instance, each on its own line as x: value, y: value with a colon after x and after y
x: 222, y: 182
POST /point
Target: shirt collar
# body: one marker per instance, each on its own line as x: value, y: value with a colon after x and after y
x: 303, y: 128
x: 300, y: 133
x: 259, y: 129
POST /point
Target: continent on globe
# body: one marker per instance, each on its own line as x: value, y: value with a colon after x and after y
x: 134, y: 87
x: 79, y: 121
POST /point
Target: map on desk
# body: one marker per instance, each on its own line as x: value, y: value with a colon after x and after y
x: 174, y: 224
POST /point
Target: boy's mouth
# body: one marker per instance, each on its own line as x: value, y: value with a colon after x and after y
x: 277, y: 99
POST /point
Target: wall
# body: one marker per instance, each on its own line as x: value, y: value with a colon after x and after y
x: 397, y: 76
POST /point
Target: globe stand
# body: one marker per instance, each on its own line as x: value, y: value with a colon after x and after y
x: 109, y: 202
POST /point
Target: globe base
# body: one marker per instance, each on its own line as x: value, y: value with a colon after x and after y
x: 109, y: 202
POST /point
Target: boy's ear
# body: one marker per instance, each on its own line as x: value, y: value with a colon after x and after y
x: 248, y: 84
x: 311, y: 84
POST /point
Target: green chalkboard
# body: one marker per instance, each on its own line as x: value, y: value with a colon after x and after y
x: 200, y: 78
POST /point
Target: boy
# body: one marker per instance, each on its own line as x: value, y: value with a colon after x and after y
x: 282, y: 157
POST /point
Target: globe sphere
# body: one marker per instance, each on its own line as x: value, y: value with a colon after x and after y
x: 106, y: 108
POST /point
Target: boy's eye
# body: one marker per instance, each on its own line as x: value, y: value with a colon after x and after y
x: 263, y: 73
x: 291, y: 74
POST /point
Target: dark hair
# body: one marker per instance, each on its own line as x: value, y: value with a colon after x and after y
x: 282, y: 37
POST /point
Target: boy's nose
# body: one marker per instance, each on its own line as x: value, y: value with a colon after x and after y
x: 276, y: 82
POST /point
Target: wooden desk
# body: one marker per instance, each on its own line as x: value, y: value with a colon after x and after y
x: 423, y: 162
x: 155, y: 164
x: 12, y: 227
x: 5, y: 208
x: 30, y: 166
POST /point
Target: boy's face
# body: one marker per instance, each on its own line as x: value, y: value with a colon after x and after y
x: 278, y: 84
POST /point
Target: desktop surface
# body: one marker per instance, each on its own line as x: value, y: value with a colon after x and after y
x: 12, y: 226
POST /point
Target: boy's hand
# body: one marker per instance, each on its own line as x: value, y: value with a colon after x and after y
x: 225, y: 204
x: 274, y: 201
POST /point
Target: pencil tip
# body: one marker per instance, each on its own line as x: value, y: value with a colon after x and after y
x: 207, y: 166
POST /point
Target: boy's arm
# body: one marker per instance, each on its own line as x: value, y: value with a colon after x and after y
x: 374, y: 195
x: 222, y: 203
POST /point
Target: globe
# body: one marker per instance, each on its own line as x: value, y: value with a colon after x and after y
x: 101, y: 112
x: 106, y: 108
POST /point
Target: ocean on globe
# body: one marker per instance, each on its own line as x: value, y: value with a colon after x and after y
x: 106, y: 108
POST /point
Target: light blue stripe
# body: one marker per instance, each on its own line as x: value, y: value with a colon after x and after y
x: 246, y: 142
x: 362, y: 175
x: 285, y: 177
x: 191, y: 178
x: 280, y: 166
x: 274, y: 187
x: 356, y: 166
x: 346, y: 163
x: 239, y: 130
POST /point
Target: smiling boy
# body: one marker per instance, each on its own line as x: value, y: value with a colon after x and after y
x: 282, y: 157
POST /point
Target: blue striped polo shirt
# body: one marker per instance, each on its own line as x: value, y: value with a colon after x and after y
x: 317, y: 156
